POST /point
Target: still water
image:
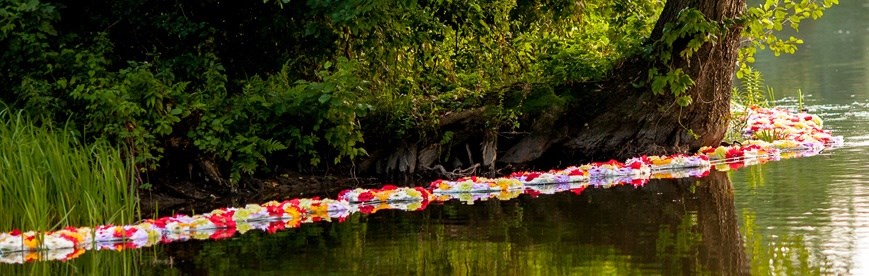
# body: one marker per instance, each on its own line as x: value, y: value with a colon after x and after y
x: 797, y: 216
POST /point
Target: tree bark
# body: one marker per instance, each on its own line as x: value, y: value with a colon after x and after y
x: 638, y: 122
x: 617, y: 120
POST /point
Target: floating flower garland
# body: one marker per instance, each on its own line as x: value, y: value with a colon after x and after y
x: 387, y: 193
x: 796, y: 135
x: 475, y: 184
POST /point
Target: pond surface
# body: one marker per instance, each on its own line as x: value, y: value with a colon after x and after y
x: 797, y: 216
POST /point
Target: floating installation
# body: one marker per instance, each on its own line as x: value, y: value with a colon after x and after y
x: 796, y: 135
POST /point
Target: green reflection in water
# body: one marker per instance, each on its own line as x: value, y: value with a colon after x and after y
x: 668, y: 227
x: 128, y: 262
x: 675, y: 245
x: 784, y: 255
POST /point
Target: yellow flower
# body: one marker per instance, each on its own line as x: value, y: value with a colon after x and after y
x: 201, y: 235
x: 241, y: 214
x: 31, y: 241
x: 384, y: 195
x: 293, y: 212
x: 661, y: 161
x: 243, y: 227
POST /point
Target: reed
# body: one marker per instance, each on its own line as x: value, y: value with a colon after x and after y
x: 49, y: 179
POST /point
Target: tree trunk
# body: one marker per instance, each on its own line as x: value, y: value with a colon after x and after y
x: 617, y: 120
x: 637, y: 122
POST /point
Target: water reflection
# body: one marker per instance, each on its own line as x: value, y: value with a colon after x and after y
x: 93, y: 263
x: 831, y: 65
x: 668, y: 226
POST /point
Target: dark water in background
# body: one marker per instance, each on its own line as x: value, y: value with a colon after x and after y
x: 798, y: 216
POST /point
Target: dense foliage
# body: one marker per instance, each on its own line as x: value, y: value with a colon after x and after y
x: 242, y: 83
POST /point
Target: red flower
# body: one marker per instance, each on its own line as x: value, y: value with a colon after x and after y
x: 275, y: 210
x: 388, y: 187
x: 531, y: 176
x: 576, y: 172
x: 737, y: 165
x: 636, y: 165
x: 161, y: 222
x: 366, y: 196
x: 165, y: 239
x: 15, y: 232
x: 275, y: 226
x: 532, y: 192
x: 221, y: 234
x: 423, y: 192
x: 223, y: 220
x: 126, y: 233
x: 578, y: 191
x: 645, y: 159
x: 366, y: 209
x: 424, y: 205
x: 734, y: 152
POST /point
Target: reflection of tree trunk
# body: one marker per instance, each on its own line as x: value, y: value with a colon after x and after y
x: 722, y: 248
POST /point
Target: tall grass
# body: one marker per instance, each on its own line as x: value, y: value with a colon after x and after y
x: 49, y: 180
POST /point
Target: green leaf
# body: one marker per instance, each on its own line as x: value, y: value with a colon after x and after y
x: 658, y: 85
x: 684, y: 100
x: 324, y: 98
